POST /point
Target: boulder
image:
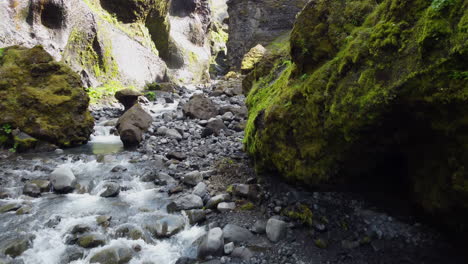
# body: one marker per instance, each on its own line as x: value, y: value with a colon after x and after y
x: 214, y: 126
x: 16, y: 247
x: 200, y: 107
x: 185, y: 202
x: 250, y: 191
x: 192, y: 178
x: 111, y: 189
x: 228, y: 248
x: 276, y: 229
x: 226, y: 207
x: 369, y: 96
x: 44, y: 99
x: 118, y: 254
x: 196, y: 216
x: 200, y: 189
x: 237, y: 234
x: 260, y: 227
x: 176, y: 155
x: 251, y: 58
x: 127, y: 97
x: 91, y: 240
x: 242, y: 253
x: 214, y: 201
x: 212, y: 244
x: 129, y: 231
x: 63, y: 180
x: 132, y: 124
x: 31, y: 190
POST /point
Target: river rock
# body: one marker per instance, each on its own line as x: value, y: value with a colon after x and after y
x: 72, y: 253
x: 226, y: 207
x: 228, y: 248
x: 196, y: 216
x: 176, y: 155
x: 276, y: 229
x: 111, y: 189
x: 185, y: 202
x: 234, y: 233
x: 200, y: 107
x: 43, y: 185
x: 165, y: 226
x: 260, y: 227
x: 91, y: 240
x: 192, y: 178
x: 200, y: 189
x: 213, y: 127
x: 250, y: 191
x: 214, y: 201
x: 129, y: 231
x: 16, y: 247
x: 132, y: 124
x: 118, y: 254
x: 63, y: 180
x: 31, y: 190
x: 127, y: 97
x: 212, y: 244
x: 242, y: 253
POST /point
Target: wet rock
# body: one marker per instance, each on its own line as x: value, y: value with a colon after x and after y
x: 16, y: 247
x: 43, y: 185
x: 9, y: 207
x: 176, y: 155
x: 119, y: 168
x: 111, y: 189
x: 132, y: 124
x: 228, y: 248
x: 80, y: 229
x: 185, y: 202
x: 196, y: 216
x: 200, y: 189
x: 32, y: 190
x: 226, y: 207
x: 91, y: 240
x: 260, y: 227
x: 72, y: 253
x: 25, y: 209
x: 127, y: 97
x: 276, y: 229
x: 214, y: 201
x: 212, y: 244
x: 165, y: 226
x: 185, y: 260
x: 192, y: 178
x: 164, y: 178
x: 129, y: 231
x: 172, y: 133
x: 200, y: 107
x: 119, y: 254
x: 63, y: 180
x: 242, y: 253
x: 53, y: 221
x: 103, y: 220
x: 234, y: 233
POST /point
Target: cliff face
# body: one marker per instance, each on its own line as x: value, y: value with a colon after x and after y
x: 113, y: 43
x: 373, y: 92
x: 258, y: 22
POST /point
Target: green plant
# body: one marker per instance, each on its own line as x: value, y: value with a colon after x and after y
x: 5, y: 135
x: 6, y: 128
x: 1, y: 52
x: 441, y: 4
x: 151, y: 96
x: 458, y: 75
x: 153, y: 86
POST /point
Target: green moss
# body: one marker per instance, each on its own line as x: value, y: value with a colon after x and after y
x: 230, y: 189
x: 151, y: 96
x: 1, y: 52
x: 320, y: 243
x: 302, y: 214
x: 249, y: 206
x: 356, y: 93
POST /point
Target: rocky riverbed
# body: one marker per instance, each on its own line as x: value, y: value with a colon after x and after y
x: 188, y: 194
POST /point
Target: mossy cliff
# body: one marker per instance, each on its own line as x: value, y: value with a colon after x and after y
x: 43, y: 98
x: 375, y: 90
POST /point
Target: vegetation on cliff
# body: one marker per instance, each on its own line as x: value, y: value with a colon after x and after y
x: 374, y: 90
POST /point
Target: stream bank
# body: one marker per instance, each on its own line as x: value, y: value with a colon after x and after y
x: 189, y: 178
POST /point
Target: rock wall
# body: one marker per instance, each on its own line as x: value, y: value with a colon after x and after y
x: 258, y: 22
x: 115, y: 43
x: 375, y: 93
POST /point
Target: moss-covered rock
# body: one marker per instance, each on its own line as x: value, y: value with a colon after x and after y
x: 376, y: 90
x: 42, y: 98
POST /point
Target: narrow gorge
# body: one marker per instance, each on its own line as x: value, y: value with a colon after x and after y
x: 233, y: 131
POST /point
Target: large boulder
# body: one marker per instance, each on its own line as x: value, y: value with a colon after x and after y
x: 132, y: 124
x: 116, y: 254
x: 212, y: 244
x: 237, y: 234
x: 185, y: 202
x: 42, y: 98
x: 127, y: 97
x: 200, y: 107
x: 252, y: 57
x: 63, y: 180
x: 379, y: 100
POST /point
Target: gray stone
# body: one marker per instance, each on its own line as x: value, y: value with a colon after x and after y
x: 165, y: 226
x: 200, y: 107
x: 91, y: 240
x: 132, y: 124
x: 113, y: 255
x: 260, y: 227
x: 127, y: 97
x: 212, y: 244
x: 32, y: 190
x: 16, y: 247
x: 63, y: 180
x: 214, y: 201
x: 111, y: 189
x: 196, y: 216
x: 276, y: 229
x: 192, y: 178
x: 200, y: 189
x: 242, y: 253
x: 185, y: 202
x: 226, y: 207
x: 234, y: 233
x: 228, y: 248
x: 129, y: 231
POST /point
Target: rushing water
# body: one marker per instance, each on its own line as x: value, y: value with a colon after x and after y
x: 137, y: 203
